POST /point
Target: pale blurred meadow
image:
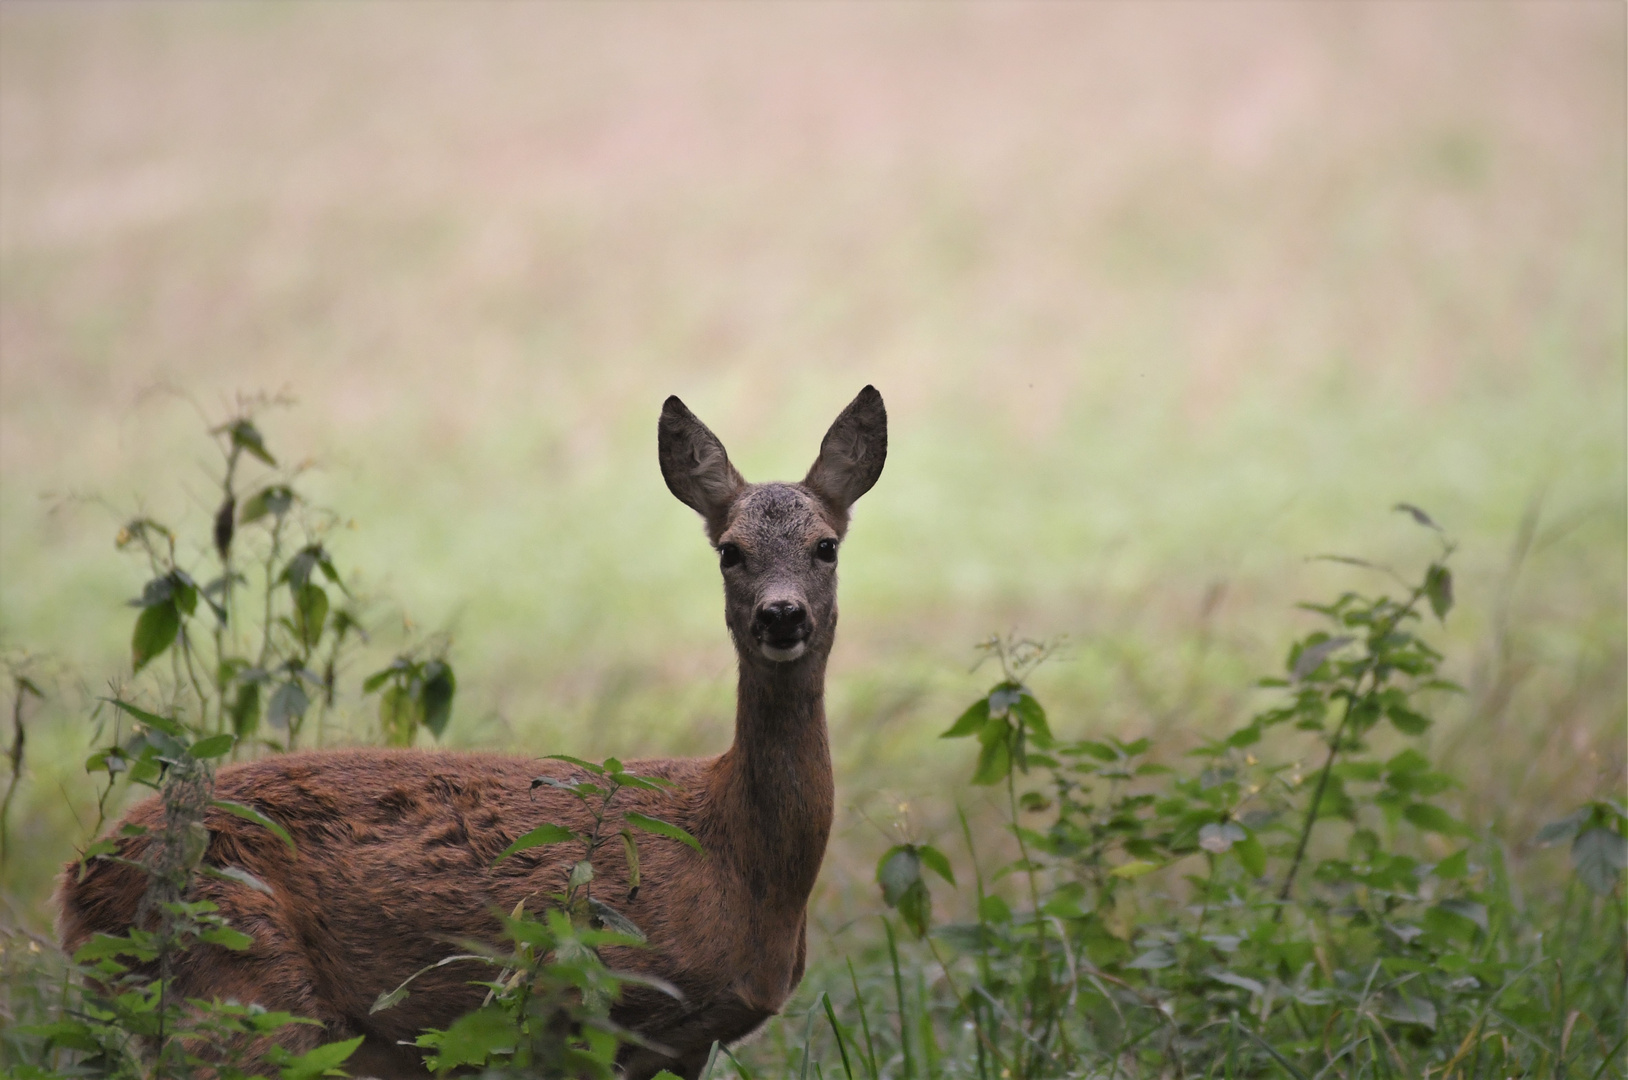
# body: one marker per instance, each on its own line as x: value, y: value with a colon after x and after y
x: 1163, y: 300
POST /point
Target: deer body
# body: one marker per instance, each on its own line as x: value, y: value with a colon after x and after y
x: 396, y: 849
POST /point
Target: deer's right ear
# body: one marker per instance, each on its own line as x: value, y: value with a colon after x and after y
x: 695, y: 465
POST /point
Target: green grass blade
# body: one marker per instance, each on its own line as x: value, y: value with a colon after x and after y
x: 808, y: 1038
x: 836, y: 1030
x: 898, y: 990
x: 864, y: 1023
x: 1288, y: 1066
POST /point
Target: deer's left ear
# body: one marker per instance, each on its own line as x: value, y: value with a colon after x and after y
x: 852, y: 453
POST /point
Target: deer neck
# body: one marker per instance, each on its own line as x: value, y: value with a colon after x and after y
x: 773, y: 789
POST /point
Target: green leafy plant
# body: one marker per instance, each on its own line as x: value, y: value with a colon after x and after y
x: 126, y: 1020
x: 1262, y: 909
x: 547, y: 1009
x: 413, y: 694
x: 240, y: 664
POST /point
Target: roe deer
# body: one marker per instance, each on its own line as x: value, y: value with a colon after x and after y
x: 396, y: 848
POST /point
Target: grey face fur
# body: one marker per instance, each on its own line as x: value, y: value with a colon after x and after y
x: 777, y: 543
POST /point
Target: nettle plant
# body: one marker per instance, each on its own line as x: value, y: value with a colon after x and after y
x: 1308, y: 915
x: 246, y: 663
x: 547, y: 1008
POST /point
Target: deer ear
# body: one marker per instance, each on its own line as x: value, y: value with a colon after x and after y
x: 852, y: 453
x: 695, y: 464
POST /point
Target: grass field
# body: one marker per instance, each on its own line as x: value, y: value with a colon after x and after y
x: 1162, y: 300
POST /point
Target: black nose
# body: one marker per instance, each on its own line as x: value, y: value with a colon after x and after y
x: 781, y: 620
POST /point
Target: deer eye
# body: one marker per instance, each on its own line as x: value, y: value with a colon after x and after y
x: 826, y: 550
x: 729, y: 555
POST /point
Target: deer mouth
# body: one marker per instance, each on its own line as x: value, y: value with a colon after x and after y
x: 783, y: 652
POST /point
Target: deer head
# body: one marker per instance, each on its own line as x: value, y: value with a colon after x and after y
x: 777, y: 543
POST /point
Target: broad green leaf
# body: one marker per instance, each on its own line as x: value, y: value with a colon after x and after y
x: 321, y: 1061
x: 106, y: 946
x: 1251, y: 855
x: 1409, y: 1010
x: 226, y: 938
x: 165, y: 724
x: 298, y: 571
x: 1100, y: 751
x: 212, y: 747
x: 388, y: 1000
x: 581, y: 874
x: 1435, y: 819
x: 186, y: 592
x: 630, y: 854
x: 249, y: 813
x: 1218, y: 838
x: 155, y: 592
x: 237, y: 874
x: 1599, y: 856
x: 1003, y: 697
x: 661, y: 828
x: 898, y: 870
x: 1566, y: 828
x: 995, y: 759
x: 935, y: 861
x: 970, y: 722
x: 310, y: 613
x: 1243, y: 982
x: 245, y: 436
x: 916, y: 908
x: 439, y: 687
x: 396, y: 716
x: 246, y: 710
x: 288, y: 703
x: 1153, y: 959
x: 614, y: 920
x: 541, y: 835
x: 472, y: 1039
x: 1408, y: 761
x: 1466, y: 909
x: 399, y: 666
x: 1033, y: 717
x: 1248, y: 735
x: 156, y: 628
x: 1455, y: 866
x: 1439, y: 590
x: 1417, y: 514
x: 597, y: 770
x: 274, y: 500
x: 994, y: 909
x: 1133, y: 869
x: 326, y: 564
x: 1407, y: 721
x: 1312, y: 656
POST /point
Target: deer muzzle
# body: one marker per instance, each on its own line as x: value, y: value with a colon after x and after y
x: 781, y: 628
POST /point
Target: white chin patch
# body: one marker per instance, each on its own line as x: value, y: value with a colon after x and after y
x: 780, y: 656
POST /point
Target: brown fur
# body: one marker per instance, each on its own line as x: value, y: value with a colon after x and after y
x: 396, y: 847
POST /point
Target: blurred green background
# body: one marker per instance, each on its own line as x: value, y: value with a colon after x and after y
x: 1163, y: 299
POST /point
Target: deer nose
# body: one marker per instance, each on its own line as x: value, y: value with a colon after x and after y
x: 782, y: 620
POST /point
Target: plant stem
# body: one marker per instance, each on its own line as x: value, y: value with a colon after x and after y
x: 898, y: 990
x: 1371, y: 672
x: 1311, y: 811
x: 16, y: 756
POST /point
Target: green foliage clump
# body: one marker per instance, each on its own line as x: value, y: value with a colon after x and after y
x: 547, y: 1009
x: 246, y: 663
x: 1258, y: 911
